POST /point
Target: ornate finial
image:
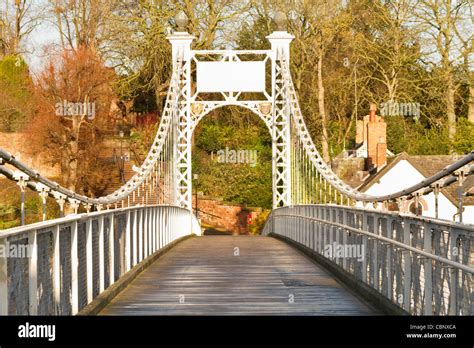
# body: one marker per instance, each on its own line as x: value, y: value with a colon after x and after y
x: 181, y: 20
x: 280, y: 20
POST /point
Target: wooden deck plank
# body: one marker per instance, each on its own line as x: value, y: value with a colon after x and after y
x: 202, y: 276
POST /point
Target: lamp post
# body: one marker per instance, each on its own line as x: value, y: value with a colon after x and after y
x: 122, y: 159
x: 356, y: 103
x: 196, y: 177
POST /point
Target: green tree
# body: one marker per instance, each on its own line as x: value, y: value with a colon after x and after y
x: 16, y: 89
x: 238, y: 183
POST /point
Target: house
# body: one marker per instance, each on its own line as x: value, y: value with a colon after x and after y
x: 405, y: 170
x: 371, y: 168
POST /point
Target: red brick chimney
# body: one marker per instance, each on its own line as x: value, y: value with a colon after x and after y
x: 372, y: 110
x: 376, y: 140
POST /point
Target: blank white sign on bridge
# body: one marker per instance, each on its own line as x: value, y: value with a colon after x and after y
x: 230, y: 76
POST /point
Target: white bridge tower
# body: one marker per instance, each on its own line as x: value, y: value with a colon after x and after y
x: 209, y: 79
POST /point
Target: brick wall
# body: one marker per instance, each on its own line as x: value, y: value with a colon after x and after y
x: 231, y: 217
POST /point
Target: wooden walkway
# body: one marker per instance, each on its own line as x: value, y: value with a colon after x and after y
x: 204, y: 276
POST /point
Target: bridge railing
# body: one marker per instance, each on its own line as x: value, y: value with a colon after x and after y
x: 422, y: 265
x: 60, y: 266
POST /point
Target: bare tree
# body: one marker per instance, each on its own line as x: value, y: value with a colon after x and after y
x: 136, y: 41
x: 212, y: 20
x: 317, y: 24
x: 81, y: 22
x: 67, y: 131
x: 440, y: 20
x: 18, y: 19
x: 465, y: 37
x: 389, y: 51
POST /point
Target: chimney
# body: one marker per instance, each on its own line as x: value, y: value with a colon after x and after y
x: 372, y: 116
x: 361, y: 126
x: 360, y: 133
x: 376, y: 140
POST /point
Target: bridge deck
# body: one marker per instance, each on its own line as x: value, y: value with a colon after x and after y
x: 205, y: 274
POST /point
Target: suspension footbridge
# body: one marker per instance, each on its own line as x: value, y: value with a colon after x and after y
x: 266, y: 277
x: 407, y: 264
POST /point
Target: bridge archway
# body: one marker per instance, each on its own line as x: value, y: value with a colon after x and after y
x: 232, y: 154
x: 230, y: 75
x: 265, y: 117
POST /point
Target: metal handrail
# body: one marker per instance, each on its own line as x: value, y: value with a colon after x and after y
x: 384, y: 239
x: 142, y: 232
x: 421, y: 265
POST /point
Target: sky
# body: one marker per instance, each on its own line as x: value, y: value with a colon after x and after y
x: 46, y: 35
x: 43, y: 36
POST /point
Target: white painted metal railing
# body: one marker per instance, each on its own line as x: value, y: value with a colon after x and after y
x: 71, y: 260
x: 422, y: 265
